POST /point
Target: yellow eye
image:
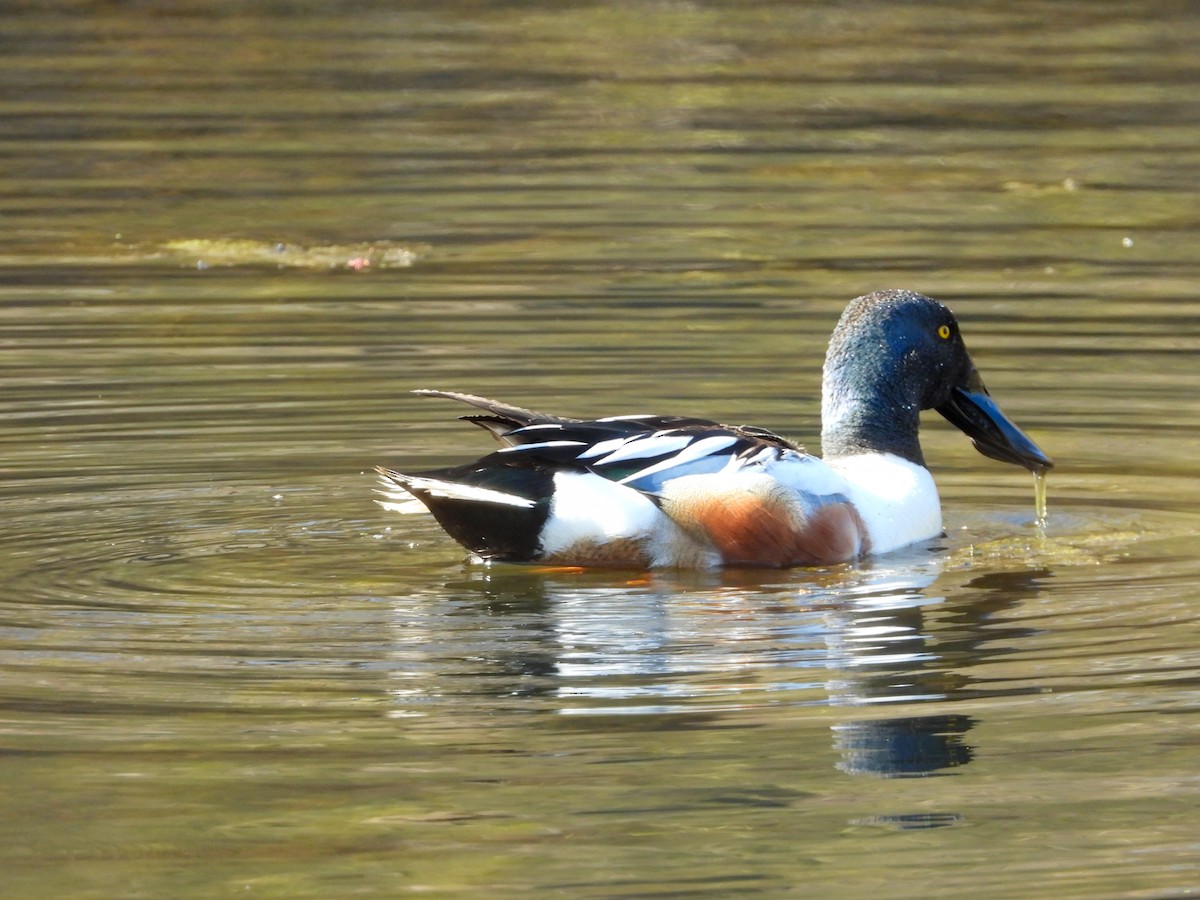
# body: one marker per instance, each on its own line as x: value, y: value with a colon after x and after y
x: 943, y: 331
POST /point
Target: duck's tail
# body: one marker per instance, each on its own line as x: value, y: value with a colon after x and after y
x: 420, y: 493
x: 494, y: 517
x: 393, y: 488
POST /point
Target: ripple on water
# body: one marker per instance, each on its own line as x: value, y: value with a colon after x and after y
x: 167, y: 601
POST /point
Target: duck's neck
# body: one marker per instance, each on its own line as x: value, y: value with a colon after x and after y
x: 865, y: 411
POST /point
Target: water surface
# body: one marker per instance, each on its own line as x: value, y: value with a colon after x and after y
x: 234, y: 240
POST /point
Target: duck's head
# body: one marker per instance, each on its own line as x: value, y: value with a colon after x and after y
x: 895, y: 353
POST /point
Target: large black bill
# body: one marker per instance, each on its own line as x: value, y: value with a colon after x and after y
x: 994, y: 434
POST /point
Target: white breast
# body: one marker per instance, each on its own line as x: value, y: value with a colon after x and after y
x: 897, y: 499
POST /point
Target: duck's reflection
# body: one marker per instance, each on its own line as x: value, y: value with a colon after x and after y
x: 915, y: 745
x: 911, y: 645
x: 881, y: 639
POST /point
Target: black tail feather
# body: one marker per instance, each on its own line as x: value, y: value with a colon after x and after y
x: 495, y: 531
x: 516, y: 415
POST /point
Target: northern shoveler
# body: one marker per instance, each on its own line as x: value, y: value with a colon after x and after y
x: 647, y: 491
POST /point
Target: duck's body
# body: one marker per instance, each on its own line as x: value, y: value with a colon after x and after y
x: 652, y: 491
x: 666, y: 491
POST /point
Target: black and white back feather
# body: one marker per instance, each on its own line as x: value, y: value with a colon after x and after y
x: 638, y: 451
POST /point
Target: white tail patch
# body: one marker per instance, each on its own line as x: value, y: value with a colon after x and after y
x: 407, y: 507
x: 401, y: 500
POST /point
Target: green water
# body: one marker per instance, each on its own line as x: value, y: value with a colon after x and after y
x: 234, y: 239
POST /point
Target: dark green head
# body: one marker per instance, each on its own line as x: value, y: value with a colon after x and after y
x: 893, y: 354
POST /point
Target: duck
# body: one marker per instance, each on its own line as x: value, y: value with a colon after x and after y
x: 651, y: 491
